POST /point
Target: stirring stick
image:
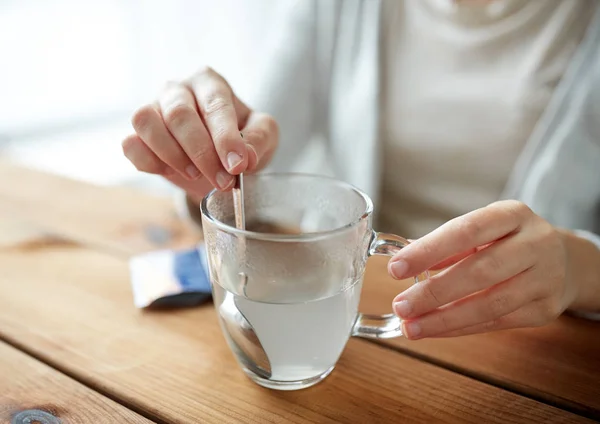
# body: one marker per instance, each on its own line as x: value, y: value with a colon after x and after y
x: 240, y: 221
x: 238, y: 203
x: 238, y: 200
x: 240, y: 224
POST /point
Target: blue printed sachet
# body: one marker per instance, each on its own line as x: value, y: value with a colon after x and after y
x: 170, y: 278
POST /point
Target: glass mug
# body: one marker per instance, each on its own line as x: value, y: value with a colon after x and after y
x: 287, y: 294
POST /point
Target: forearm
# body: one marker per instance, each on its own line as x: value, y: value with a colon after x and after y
x: 583, y: 272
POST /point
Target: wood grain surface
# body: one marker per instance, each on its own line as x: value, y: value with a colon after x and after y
x: 116, y: 219
x: 31, y: 392
x: 559, y: 363
x: 54, y: 216
x: 71, y: 307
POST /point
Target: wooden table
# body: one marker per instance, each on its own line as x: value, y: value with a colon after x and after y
x: 72, y: 345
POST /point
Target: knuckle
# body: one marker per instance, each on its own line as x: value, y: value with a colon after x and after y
x: 444, y: 324
x: 548, y: 236
x: 515, y: 211
x: 170, y: 85
x: 492, y: 324
x: 519, y: 208
x: 261, y: 134
x: 177, y: 161
x: 225, y: 136
x: 543, y: 288
x: 142, y: 118
x: 430, y: 292
x: 530, y: 247
x: 203, y: 73
x: 485, y: 268
x: 178, y: 116
x: 128, y: 144
x: 142, y: 159
x: 207, y: 77
x: 499, y: 306
x: 199, y: 154
x: 206, y: 71
x: 271, y: 125
x: 468, y: 226
x: 426, y: 247
x: 174, y: 156
x: 215, y: 102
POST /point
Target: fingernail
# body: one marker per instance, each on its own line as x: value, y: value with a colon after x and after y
x: 411, y: 329
x: 398, y: 268
x: 224, y: 179
x: 192, y: 172
x: 402, y: 308
x: 233, y: 159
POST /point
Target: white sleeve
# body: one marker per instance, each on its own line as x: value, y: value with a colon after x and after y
x: 286, y: 87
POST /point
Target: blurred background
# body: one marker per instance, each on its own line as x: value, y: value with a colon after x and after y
x: 72, y: 72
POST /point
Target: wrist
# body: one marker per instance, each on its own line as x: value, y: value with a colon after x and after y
x: 582, y: 272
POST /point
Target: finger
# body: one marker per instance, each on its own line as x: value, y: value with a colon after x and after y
x: 456, y: 258
x: 195, y: 189
x: 144, y: 159
x: 535, y: 314
x: 150, y: 127
x: 453, y: 259
x: 242, y: 111
x: 262, y: 136
x: 481, y: 307
x: 498, y: 262
x: 461, y: 234
x: 183, y: 122
x: 217, y: 108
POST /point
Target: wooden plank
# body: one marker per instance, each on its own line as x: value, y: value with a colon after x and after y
x: 559, y: 363
x: 538, y: 362
x: 32, y: 392
x: 72, y: 307
x: 112, y: 218
x: 14, y: 232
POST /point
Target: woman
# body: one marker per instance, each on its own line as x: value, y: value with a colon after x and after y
x: 473, y: 124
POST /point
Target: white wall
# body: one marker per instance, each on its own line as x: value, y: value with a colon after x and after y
x: 65, y: 59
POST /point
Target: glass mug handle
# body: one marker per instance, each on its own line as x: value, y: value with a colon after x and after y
x: 389, y: 325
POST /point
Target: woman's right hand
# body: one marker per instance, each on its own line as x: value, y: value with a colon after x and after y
x: 191, y: 135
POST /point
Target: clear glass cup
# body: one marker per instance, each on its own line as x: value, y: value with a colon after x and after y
x: 287, y: 289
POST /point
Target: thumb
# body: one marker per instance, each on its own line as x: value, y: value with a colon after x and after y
x: 261, y: 135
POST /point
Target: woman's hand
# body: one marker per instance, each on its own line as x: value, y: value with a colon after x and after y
x: 505, y: 267
x: 191, y: 135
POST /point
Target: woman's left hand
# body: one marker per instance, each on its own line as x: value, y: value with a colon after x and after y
x: 504, y: 267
